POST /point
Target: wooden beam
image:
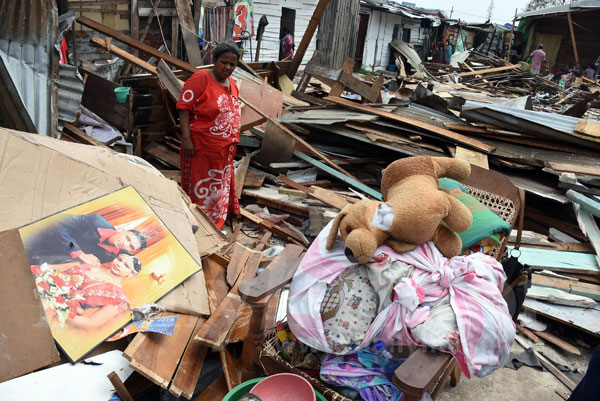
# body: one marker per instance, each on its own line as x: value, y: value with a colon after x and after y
x: 112, y: 49
x: 489, y: 70
x: 458, y: 138
x: 358, y: 185
x: 325, y: 196
x: 573, y: 38
x: 119, y: 386
x: 586, y: 203
x: 284, y: 233
x: 307, y: 37
x: 188, y: 32
x: 588, y: 225
x: 338, y: 87
x: 298, y: 138
x: 562, y: 344
x: 136, y: 44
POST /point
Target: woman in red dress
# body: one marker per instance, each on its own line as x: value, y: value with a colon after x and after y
x: 210, y: 117
x: 68, y: 289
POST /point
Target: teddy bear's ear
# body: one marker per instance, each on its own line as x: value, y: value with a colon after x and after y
x: 335, y: 227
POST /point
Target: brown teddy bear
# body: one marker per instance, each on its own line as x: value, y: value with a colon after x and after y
x: 415, y: 210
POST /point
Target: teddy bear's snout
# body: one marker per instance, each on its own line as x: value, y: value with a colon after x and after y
x: 350, y: 255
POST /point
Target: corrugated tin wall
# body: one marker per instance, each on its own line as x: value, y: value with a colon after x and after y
x: 28, y: 30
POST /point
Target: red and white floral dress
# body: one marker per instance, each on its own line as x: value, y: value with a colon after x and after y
x: 215, y: 121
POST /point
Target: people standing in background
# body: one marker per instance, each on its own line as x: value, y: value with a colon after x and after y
x: 447, y: 52
x: 287, y: 44
x: 538, y: 56
x: 589, y: 72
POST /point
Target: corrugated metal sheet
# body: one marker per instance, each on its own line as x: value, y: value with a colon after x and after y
x: 70, y: 90
x: 28, y: 30
x: 565, y: 8
x: 541, y: 124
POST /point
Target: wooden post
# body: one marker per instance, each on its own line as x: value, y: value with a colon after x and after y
x: 573, y: 38
x: 511, y: 35
x: 308, y: 34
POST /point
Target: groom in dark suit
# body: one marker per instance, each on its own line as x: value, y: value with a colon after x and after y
x: 89, y: 238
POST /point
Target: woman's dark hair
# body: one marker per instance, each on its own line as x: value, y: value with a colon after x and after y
x: 225, y: 47
x: 137, y: 265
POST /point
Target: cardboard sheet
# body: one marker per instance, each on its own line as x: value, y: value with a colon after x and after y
x: 26, y: 343
x: 40, y: 176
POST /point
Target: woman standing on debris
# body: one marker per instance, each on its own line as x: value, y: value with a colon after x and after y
x: 210, y: 121
x: 69, y: 289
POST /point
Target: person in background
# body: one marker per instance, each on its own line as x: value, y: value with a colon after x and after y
x: 210, y: 121
x: 589, y: 72
x: 287, y: 44
x: 538, y: 57
x: 447, y: 52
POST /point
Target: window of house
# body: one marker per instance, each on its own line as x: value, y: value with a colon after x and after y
x: 406, y: 35
x: 397, y: 30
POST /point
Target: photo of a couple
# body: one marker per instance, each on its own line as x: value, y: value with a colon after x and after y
x: 96, y: 261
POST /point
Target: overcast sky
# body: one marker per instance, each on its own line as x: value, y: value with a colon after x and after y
x: 476, y: 10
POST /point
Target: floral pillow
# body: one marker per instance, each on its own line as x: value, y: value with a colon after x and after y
x: 349, y: 307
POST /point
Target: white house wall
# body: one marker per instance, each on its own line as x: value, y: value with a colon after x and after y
x: 380, y: 33
x: 269, y: 49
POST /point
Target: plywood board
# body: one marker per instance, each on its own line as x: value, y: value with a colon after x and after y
x: 568, y: 262
x: 26, y: 341
x: 156, y: 355
x: 188, y: 371
x: 586, y: 319
x: 277, y: 145
x: 473, y: 157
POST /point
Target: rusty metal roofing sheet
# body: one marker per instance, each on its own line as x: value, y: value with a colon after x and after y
x: 544, y: 125
x: 28, y: 30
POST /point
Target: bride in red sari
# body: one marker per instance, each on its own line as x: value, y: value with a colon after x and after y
x: 69, y: 289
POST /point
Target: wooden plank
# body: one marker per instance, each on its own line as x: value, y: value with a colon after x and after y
x: 27, y: 342
x: 299, y: 139
x: 169, y: 80
x: 461, y: 139
x: 254, y: 179
x: 561, y: 261
x: 82, y: 137
x: 216, y: 281
x: 325, y: 196
x: 269, y: 196
x: 588, y: 128
x: 550, y: 221
x: 119, y: 386
x: 188, y: 372
x: 156, y: 356
x: 284, y: 233
x: 562, y: 344
x: 489, y: 70
x: 188, y: 32
x: 136, y: 44
x: 573, y: 42
x: 268, y: 99
x: 357, y: 86
x: 586, y: 203
x: 240, y: 175
x: 586, y: 319
x: 559, y: 297
x: 162, y: 153
x: 578, y: 168
x: 232, y: 378
x: 307, y: 37
x: 549, y: 365
x: 123, y: 54
x: 473, y: 157
x: 568, y: 285
x: 282, y: 267
x: 277, y: 145
x: 237, y: 263
x: 588, y: 225
x: 338, y: 88
x: 217, y: 390
x: 215, y: 330
x: 358, y: 185
x: 528, y: 333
